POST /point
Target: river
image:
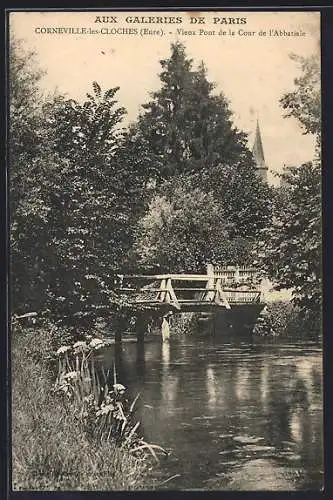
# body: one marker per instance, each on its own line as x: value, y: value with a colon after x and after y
x: 234, y: 415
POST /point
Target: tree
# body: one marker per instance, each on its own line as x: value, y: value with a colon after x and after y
x: 25, y: 102
x: 246, y: 202
x: 29, y: 176
x: 293, y: 241
x: 303, y: 103
x: 293, y: 255
x: 184, y: 231
x: 88, y: 130
x: 184, y: 128
x: 89, y: 210
x: 187, y: 140
x: 73, y: 200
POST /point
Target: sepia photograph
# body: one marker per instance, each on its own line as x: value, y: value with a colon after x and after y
x: 165, y: 194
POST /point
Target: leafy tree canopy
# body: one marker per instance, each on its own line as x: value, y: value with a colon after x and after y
x: 303, y: 103
x: 189, y: 146
x: 184, y: 231
x: 292, y: 243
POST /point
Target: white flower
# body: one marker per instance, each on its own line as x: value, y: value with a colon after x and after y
x: 104, y: 410
x: 119, y: 388
x: 63, y: 349
x: 72, y: 375
x: 80, y: 346
x: 96, y: 343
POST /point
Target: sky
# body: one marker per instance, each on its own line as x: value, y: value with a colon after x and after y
x: 251, y: 69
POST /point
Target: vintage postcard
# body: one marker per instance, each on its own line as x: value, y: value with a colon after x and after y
x: 165, y: 246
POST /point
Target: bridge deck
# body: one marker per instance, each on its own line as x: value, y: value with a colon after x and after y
x: 206, y: 292
x: 231, y: 292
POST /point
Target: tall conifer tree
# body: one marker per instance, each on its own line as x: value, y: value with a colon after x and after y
x: 185, y: 128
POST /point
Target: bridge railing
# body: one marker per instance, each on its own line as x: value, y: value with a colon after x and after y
x: 236, y: 274
x: 180, y: 290
x: 243, y: 296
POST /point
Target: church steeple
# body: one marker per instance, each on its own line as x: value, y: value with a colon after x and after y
x: 258, y: 154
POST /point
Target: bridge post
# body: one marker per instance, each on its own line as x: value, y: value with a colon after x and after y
x: 117, y: 336
x: 210, y: 269
x: 140, y: 358
x: 141, y: 327
x: 165, y: 328
x: 210, y: 294
x: 119, y: 328
x: 118, y: 358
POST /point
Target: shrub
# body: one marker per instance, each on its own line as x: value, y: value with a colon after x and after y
x: 284, y: 319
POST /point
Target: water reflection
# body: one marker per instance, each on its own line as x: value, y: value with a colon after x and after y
x: 165, y: 354
x: 242, y: 377
x: 264, y: 384
x: 140, y: 359
x: 223, y: 409
x: 211, y: 384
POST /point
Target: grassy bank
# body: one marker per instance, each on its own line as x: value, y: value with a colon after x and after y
x: 50, y: 450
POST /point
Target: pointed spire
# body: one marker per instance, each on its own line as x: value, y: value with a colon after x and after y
x: 258, y: 154
x: 258, y: 150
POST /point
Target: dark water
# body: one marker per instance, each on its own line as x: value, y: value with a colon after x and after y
x: 234, y: 415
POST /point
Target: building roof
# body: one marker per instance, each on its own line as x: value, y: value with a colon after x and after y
x: 258, y: 150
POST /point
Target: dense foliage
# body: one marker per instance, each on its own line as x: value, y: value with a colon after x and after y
x: 87, y: 219
x: 52, y: 449
x: 185, y: 128
x: 304, y: 103
x: 71, y: 214
x: 185, y: 231
x: 209, y: 204
x: 175, y: 190
x: 293, y: 250
x: 292, y: 244
x: 31, y: 165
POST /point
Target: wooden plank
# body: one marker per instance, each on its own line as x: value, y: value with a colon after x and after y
x: 155, y: 289
x: 162, y: 292
x: 195, y: 301
x: 189, y: 276
x: 190, y: 289
x: 167, y: 297
x: 147, y: 301
x: 209, y: 295
x: 123, y: 289
x: 189, y: 301
x: 173, y: 296
x: 176, y: 277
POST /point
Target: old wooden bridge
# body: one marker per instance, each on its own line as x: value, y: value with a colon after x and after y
x: 232, y: 290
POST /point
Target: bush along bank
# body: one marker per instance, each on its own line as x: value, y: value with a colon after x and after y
x: 183, y: 323
x: 79, y: 432
x: 284, y: 319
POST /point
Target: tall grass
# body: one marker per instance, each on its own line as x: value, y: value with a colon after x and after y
x: 51, y: 445
x: 97, y: 400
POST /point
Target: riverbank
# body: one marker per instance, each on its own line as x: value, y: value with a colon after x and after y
x: 49, y: 449
x: 281, y: 318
